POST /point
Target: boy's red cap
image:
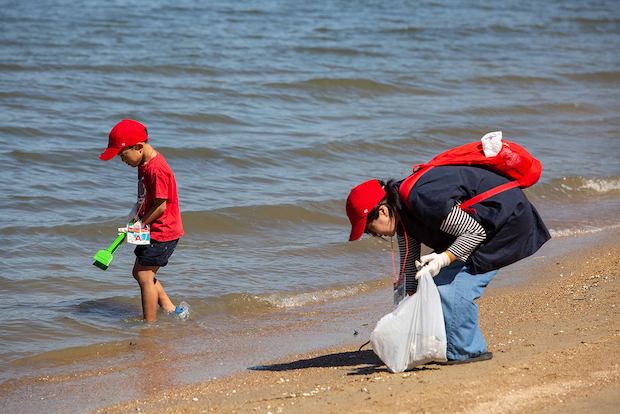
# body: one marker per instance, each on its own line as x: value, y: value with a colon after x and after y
x: 125, y: 134
x: 361, y: 201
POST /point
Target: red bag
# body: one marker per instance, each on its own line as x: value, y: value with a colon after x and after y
x: 512, y: 162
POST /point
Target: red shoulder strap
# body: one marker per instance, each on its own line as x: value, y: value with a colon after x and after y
x: 489, y: 193
x: 409, y: 182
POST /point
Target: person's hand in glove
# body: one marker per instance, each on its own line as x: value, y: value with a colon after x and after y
x: 434, y: 262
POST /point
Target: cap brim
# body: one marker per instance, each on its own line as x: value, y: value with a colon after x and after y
x: 358, y: 229
x: 110, y: 153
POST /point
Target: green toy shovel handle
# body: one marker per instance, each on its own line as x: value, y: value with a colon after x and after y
x: 116, y: 243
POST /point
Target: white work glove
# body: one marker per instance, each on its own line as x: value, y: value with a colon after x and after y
x: 433, y: 262
x: 132, y: 215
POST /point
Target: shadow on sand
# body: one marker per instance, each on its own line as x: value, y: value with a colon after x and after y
x: 362, y: 363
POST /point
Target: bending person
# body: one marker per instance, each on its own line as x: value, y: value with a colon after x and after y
x: 469, y: 247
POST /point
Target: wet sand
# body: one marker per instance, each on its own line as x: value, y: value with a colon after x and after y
x: 555, y: 340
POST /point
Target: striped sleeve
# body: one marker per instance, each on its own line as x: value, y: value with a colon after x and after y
x: 409, y: 249
x: 469, y: 233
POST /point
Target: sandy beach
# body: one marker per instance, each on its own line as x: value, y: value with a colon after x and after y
x: 555, y: 340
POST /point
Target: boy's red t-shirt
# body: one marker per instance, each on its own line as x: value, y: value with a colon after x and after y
x: 156, y: 180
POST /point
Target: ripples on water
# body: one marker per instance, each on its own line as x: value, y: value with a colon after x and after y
x: 268, y: 113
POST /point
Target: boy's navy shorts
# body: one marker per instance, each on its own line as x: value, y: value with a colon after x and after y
x: 155, y: 254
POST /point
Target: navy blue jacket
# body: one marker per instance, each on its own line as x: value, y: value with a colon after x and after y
x: 513, y: 226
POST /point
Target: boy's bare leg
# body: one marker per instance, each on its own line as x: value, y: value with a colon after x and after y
x: 152, y: 291
x: 163, y: 299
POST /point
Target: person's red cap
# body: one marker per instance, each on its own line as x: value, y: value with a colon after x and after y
x: 125, y: 134
x: 361, y: 201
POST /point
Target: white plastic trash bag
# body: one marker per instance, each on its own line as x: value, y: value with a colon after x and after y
x: 414, y: 334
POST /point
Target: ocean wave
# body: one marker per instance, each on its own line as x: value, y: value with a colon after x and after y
x: 577, y: 186
x: 514, y: 79
x: 601, y: 185
x: 205, y: 118
x: 243, y: 302
x: 254, y: 219
x: 540, y: 110
x: 403, y: 30
x: 583, y: 195
x: 360, y: 85
x: 239, y: 220
x: 294, y: 153
x: 22, y: 131
x: 579, y: 231
x: 461, y: 133
x: 337, y: 51
x: 576, y: 205
x: 594, y: 21
x: 500, y: 29
x: 603, y: 77
x: 139, y: 69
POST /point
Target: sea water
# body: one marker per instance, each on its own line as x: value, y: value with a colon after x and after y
x: 269, y: 112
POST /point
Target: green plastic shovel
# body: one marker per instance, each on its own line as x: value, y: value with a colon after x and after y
x: 103, y: 258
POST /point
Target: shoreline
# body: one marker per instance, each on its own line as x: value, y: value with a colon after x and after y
x: 554, y: 339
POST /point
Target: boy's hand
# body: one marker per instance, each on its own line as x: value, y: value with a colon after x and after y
x: 136, y: 226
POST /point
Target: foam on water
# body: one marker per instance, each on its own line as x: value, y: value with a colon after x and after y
x: 602, y: 185
x: 247, y: 302
x: 579, y: 231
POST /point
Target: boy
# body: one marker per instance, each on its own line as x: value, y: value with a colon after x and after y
x: 158, y: 206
